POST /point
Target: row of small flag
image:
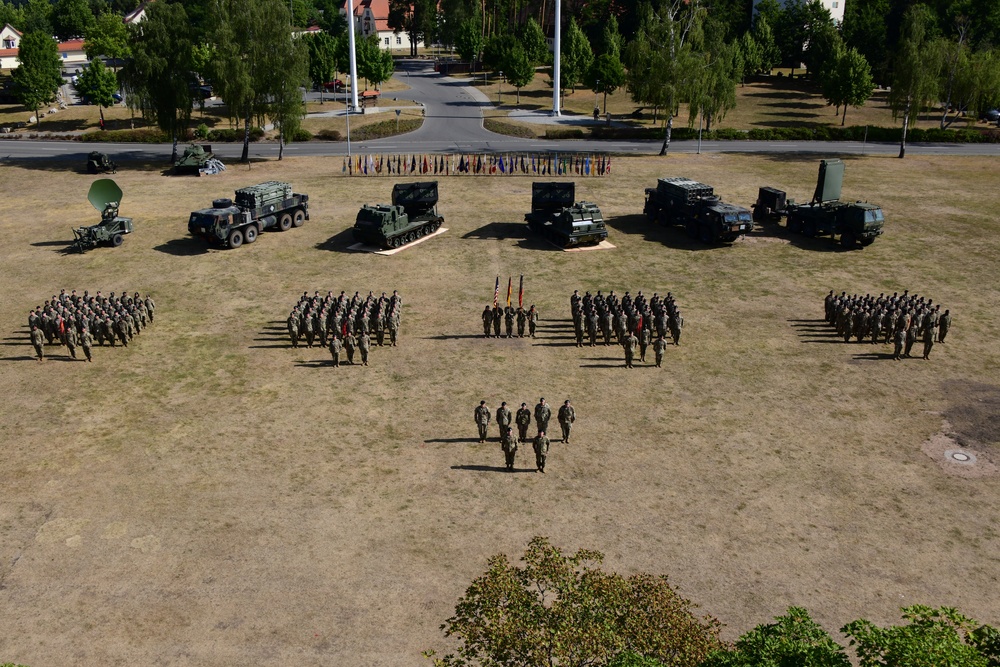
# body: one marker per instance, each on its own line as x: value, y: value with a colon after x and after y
x: 509, y: 164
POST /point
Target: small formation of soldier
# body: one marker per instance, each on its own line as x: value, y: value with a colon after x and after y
x: 508, y: 316
x: 346, y: 324
x: 79, y: 320
x: 522, y: 419
x: 903, y: 319
x: 634, y: 323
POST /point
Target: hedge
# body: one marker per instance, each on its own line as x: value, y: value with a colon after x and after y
x: 386, y: 128
x: 145, y: 136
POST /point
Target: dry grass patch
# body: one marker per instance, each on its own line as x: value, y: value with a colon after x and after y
x: 210, y: 495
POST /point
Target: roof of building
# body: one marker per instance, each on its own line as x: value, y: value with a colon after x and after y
x: 379, y: 9
x: 8, y: 26
x: 137, y: 13
x: 71, y: 45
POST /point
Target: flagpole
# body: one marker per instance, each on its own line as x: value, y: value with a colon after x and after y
x: 555, y: 59
x: 354, y: 60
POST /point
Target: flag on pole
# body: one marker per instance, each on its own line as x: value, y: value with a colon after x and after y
x: 510, y: 281
x: 520, y: 293
x: 496, y: 293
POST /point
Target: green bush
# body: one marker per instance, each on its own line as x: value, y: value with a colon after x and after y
x: 386, y: 128
x: 330, y: 135
x: 564, y: 133
x: 302, y: 134
x: 509, y: 129
x: 145, y: 136
x: 201, y: 132
x: 234, y: 134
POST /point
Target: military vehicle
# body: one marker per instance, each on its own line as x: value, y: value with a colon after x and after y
x: 193, y: 160
x: 695, y: 206
x: 412, y: 215
x: 232, y: 223
x: 561, y: 220
x: 105, y: 196
x: 100, y: 163
x: 855, y: 222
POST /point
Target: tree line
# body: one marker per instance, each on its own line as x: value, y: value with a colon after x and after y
x: 564, y: 609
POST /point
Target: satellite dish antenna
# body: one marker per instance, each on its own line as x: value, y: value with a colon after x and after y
x: 104, y: 191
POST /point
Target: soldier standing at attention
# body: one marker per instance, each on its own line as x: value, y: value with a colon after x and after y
x: 497, y: 320
x: 508, y: 318
x: 308, y: 330
x: 899, y: 339
x: 630, y: 344
x: 541, y: 447
x: 523, y: 420
x: 928, y: 341
x: 659, y: 347
x: 335, y: 346
x: 522, y: 319
x: 71, y: 340
x: 532, y: 320
x: 578, y: 327
x: 487, y: 321
x: 349, y: 347
x: 542, y: 415
x: 503, y: 418
x: 944, y: 323
x: 363, y: 345
x: 37, y: 340
x: 567, y: 415
x: 676, y: 323
x: 593, y: 325
x: 393, y: 327
x: 482, y: 418
x: 644, y: 337
x: 86, y: 342
x: 508, y: 443
x: 911, y: 337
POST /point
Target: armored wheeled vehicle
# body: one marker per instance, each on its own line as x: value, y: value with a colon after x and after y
x: 854, y: 222
x: 194, y: 159
x: 100, y: 163
x: 105, y: 196
x: 696, y: 207
x: 561, y: 220
x: 233, y: 222
x: 412, y: 215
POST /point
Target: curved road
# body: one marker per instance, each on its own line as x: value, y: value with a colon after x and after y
x: 454, y: 123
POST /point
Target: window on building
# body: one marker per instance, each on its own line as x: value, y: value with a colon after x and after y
x: 399, y: 40
x: 835, y: 4
x: 387, y: 41
x: 9, y: 43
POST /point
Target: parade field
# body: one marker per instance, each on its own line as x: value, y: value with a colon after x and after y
x: 212, y: 496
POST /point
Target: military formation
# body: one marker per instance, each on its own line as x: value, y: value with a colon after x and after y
x: 500, y: 322
x: 635, y: 323
x: 346, y: 324
x: 522, y: 419
x: 903, y: 319
x: 77, y: 321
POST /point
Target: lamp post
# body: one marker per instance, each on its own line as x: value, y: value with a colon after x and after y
x: 499, y: 86
x: 347, y: 112
x: 597, y: 98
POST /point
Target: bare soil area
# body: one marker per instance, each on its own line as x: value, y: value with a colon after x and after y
x: 211, y: 496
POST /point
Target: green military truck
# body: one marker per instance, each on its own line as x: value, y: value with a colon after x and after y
x: 106, y: 197
x: 561, y: 220
x: 854, y: 222
x: 412, y: 215
x: 696, y: 207
x: 233, y: 222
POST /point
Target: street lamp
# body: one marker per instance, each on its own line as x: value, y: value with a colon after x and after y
x: 499, y: 87
x: 597, y: 97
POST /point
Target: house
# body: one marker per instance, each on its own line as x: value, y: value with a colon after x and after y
x: 72, y: 55
x: 10, y: 39
x: 371, y: 17
x: 836, y: 8
x: 137, y: 14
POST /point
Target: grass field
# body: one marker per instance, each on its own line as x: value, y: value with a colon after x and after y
x: 211, y: 496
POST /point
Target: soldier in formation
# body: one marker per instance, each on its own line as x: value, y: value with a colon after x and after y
x: 509, y: 317
x: 481, y: 415
x: 903, y: 319
x: 607, y: 319
x: 567, y: 415
x: 77, y: 320
x: 351, y: 322
x: 541, y: 447
x: 508, y: 443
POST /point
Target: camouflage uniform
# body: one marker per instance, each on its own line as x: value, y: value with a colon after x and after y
x: 503, y: 418
x: 541, y: 447
x: 487, y: 321
x: 481, y: 415
x: 659, y: 347
x: 567, y: 415
x: 335, y: 346
x: 631, y: 342
x: 523, y: 420
x: 363, y: 346
x: 38, y: 340
x: 508, y: 443
x: 542, y: 415
x: 86, y: 341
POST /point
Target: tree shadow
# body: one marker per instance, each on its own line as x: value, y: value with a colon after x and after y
x: 798, y: 105
x: 76, y: 162
x: 185, y: 247
x: 482, y: 468
x: 339, y: 242
x: 498, y: 231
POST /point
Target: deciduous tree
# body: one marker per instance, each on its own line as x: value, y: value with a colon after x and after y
x: 577, y: 56
x: 98, y: 84
x: 71, y: 18
x: 915, y: 70
x: 417, y: 18
x: 519, y: 68
x: 792, y: 640
x: 764, y: 37
x: 850, y: 82
x: 321, y: 48
x: 469, y: 38
x: 108, y: 37
x: 39, y: 72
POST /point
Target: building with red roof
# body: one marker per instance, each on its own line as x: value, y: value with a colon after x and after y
x: 371, y: 17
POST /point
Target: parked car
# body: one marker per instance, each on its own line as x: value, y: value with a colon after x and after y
x: 334, y: 86
x: 992, y: 116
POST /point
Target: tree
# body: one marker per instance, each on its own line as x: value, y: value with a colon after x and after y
x: 865, y: 29
x: 713, y: 90
x: 931, y: 638
x: 577, y: 56
x: 108, y: 37
x: 374, y: 64
x: 915, y: 69
x: 39, y: 73
x: 764, y: 38
x: 469, y: 40
x: 793, y: 640
x: 661, y: 63
x: 417, y: 18
x: 37, y: 16
x: 71, y: 18
x: 751, y: 53
x: 850, y: 82
x: 823, y: 51
x: 157, y: 77
x: 519, y: 68
x: 561, y: 609
x: 607, y: 75
x: 285, y: 105
x: 531, y: 37
x: 496, y: 51
x: 382, y: 68
x: 12, y: 14
x: 99, y: 84
x: 322, y: 59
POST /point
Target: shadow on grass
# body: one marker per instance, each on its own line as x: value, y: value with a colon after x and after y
x: 185, y: 247
x: 621, y: 364
x: 319, y: 363
x: 873, y: 356
x: 75, y: 160
x: 480, y: 468
x: 451, y: 440
x: 46, y: 358
x: 671, y: 236
x: 498, y: 231
x: 339, y: 242
x: 777, y: 231
x: 456, y: 336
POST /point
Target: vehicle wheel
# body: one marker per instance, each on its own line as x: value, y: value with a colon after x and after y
x: 809, y: 229
x: 692, y: 229
x: 235, y: 238
x: 705, y: 235
x: 757, y: 215
x: 285, y: 222
x: 868, y: 241
x: 394, y: 242
x: 299, y: 218
x: 794, y: 225
x: 250, y: 234
x: 847, y: 240
x: 117, y: 240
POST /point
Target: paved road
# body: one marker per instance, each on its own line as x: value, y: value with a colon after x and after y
x: 454, y: 124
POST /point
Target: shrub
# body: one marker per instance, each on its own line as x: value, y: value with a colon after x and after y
x: 234, y: 134
x: 302, y: 134
x: 564, y: 133
x: 201, y: 132
x: 144, y: 136
x: 386, y: 128
x: 509, y: 129
x: 330, y: 135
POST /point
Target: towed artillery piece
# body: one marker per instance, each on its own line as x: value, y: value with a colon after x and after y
x: 855, y: 222
x: 412, y: 215
x: 231, y: 223
x: 561, y: 220
x: 696, y: 207
x: 100, y: 163
x: 105, y: 196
